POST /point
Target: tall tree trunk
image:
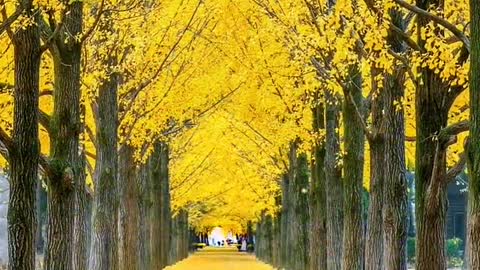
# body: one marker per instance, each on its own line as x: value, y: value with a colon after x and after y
x: 175, y: 253
x: 82, y: 226
x: 276, y: 244
x: 160, y: 212
x: 433, y: 100
x: 65, y: 128
x: 104, y: 247
x: 374, y: 234
x: 430, y: 197
x: 144, y: 208
x: 25, y: 149
x: 473, y: 233
x: 300, y: 214
x: 291, y: 215
x: 395, y: 211
x: 318, y: 230
x: 334, y: 186
x: 268, y: 239
x: 264, y: 238
x: 284, y: 222
x: 129, y: 210
x: 353, y: 175
x: 184, y: 234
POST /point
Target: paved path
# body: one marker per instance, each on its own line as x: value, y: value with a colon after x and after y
x: 220, y: 259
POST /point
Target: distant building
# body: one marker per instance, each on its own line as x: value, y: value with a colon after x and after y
x: 457, y: 208
x: 456, y: 211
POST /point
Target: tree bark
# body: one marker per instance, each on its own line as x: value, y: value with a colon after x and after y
x: 395, y: 211
x: 129, y: 210
x: 374, y: 234
x: 82, y: 225
x: 25, y: 149
x: 473, y: 232
x: 300, y: 216
x: 104, y: 247
x: 318, y: 230
x: 64, y: 128
x: 144, y: 208
x: 160, y: 212
x: 432, y: 102
x: 334, y: 186
x: 284, y: 222
x: 264, y: 239
x: 179, y: 237
x: 430, y: 197
x: 276, y: 242
x: 353, y: 175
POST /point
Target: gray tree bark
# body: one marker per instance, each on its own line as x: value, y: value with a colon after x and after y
x: 353, y: 175
x: 334, y: 187
x: 24, y: 149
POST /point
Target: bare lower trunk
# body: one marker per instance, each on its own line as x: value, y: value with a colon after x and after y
x: 433, y: 99
x: 431, y: 200
x: 276, y: 242
x: 82, y: 226
x: 299, y: 221
x: 374, y: 235
x: 24, y: 148
x: 264, y: 238
x: 129, y: 210
x: 64, y: 128
x: 160, y: 211
x: 284, y: 223
x: 318, y: 230
x: 144, y: 227
x: 395, y: 193
x: 334, y: 185
x: 353, y: 177
x: 104, y: 247
x: 473, y: 234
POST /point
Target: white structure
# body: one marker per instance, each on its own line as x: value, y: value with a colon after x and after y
x: 215, y: 236
x: 3, y: 219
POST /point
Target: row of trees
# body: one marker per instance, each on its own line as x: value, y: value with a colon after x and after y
x: 275, y: 111
x: 94, y: 100
x: 392, y: 75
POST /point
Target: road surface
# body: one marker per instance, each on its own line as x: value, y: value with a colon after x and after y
x: 225, y: 258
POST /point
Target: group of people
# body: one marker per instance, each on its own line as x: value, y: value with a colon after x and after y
x: 241, y: 240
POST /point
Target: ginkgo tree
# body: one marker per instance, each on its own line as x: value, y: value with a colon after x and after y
x: 223, y: 113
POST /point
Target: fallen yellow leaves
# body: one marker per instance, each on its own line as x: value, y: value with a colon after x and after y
x: 220, y: 259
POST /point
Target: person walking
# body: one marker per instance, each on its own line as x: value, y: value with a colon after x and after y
x: 244, y: 245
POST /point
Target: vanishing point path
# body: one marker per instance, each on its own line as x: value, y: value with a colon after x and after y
x: 220, y: 259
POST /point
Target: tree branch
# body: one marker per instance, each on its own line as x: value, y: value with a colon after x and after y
x: 405, y: 37
x: 368, y: 132
x: 453, y: 130
x: 44, y: 120
x: 91, y: 135
x: 48, y: 40
x: 452, y: 28
x: 47, y: 92
x: 95, y: 23
x: 7, y: 21
x: 7, y: 144
x: 457, y: 168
